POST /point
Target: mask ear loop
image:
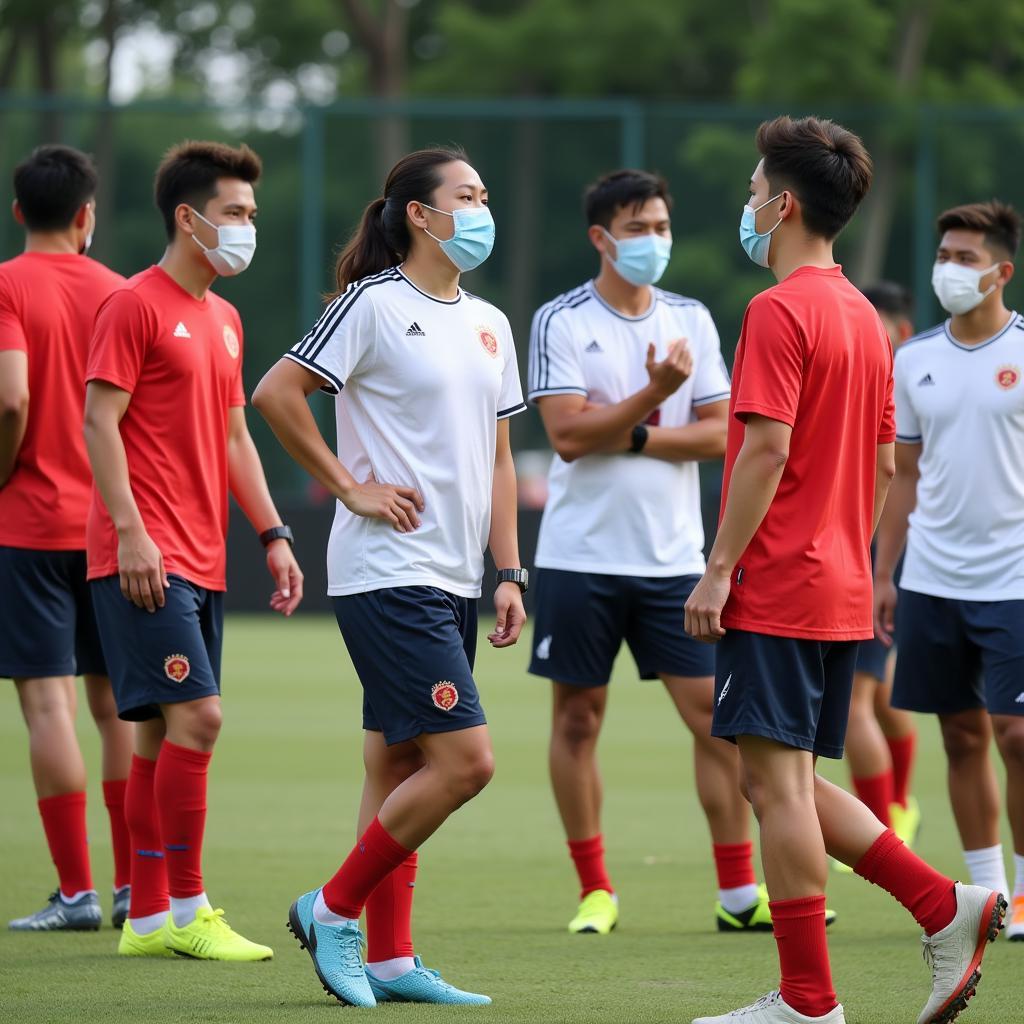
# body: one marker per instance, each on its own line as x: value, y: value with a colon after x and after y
x: 762, y: 206
x: 195, y: 238
x: 428, y: 232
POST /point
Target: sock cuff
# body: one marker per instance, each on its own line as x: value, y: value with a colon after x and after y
x: 733, y: 849
x: 986, y: 851
x: 595, y: 844
x: 113, y: 791
x: 384, y: 843
x: 902, y: 741
x: 62, y: 800
x: 174, y: 752
x: 143, y: 766
x: 872, y: 779
x: 796, y: 909
x: 877, y: 854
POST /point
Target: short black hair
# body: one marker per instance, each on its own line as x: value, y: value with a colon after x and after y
x: 890, y: 298
x: 824, y: 164
x: 52, y: 184
x: 189, y: 173
x: 998, y: 222
x: 610, y: 193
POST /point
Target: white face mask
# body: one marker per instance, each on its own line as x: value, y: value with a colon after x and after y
x: 958, y: 287
x: 236, y: 245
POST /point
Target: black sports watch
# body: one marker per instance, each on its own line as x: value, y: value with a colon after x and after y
x: 520, y: 577
x: 638, y: 439
x: 277, y: 533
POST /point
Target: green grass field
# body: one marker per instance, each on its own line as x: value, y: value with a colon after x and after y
x: 496, y: 887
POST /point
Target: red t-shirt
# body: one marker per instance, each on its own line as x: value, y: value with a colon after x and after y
x: 813, y: 354
x: 48, y: 303
x: 181, y: 360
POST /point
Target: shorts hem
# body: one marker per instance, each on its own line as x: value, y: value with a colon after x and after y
x: 730, y: 732
x: 656, y: 673
x: 404, y: 735
x: 824, y: 636
x: 587, y: 684
x: 208, y: 691
x: 38, y: 671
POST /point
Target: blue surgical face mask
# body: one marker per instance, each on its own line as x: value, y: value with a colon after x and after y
x: 473, y: 238
x: 755, y: 243
x: 640, y: 260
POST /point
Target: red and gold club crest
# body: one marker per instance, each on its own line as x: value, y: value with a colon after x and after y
x: 231, y: 341
x: 444, y: 695
x: 176, y: 667
x: 488, y: 339
x: 1008, y: 377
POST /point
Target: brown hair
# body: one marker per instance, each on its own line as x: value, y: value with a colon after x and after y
x: 382, y: 239
x: 189, y: 173
x: 826, y: 166
x: 999, y: 222
x: 612, y: 192
x: 52, y: 184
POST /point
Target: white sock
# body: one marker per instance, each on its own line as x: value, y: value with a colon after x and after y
x: 987, y: 867
x: 1018, y: 875
x: 184, y: 910
x: 735, y: 901
x: 148, y: 924
x: 80, y: 895
x: 388, y: 970
x: 323, y: 914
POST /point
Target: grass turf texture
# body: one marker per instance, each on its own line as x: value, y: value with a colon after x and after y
x: 496, y: 887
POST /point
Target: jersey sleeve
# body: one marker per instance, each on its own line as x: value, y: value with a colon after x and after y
x: 238, y: 384
x: 908, y: 426
x: 772, y: 363
x: 12, y: 331
x: 342, y: 342
x: 554, y: 365
x: 510, y: 398
x: 711, y: 382
x: 120, y: 340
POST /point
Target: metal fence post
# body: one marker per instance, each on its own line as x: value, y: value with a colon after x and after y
x: 633, y: 140
x: 925, y: 188
x: 311, y: 231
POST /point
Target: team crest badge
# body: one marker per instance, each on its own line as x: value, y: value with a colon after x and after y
x: 488, y: 340
x: 176, y: 667
x: 1008, y: 377
x: 444, y: 695
x: 231, y: 341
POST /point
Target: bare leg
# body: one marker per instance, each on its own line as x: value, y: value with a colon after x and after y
x: 194, y: 723
x: 49, y: 706
x: 973, y: 790
x: 1009, y: 732
x: 115, y: 734
x: 386, y: 769
x: 866, y: 749
x: 575, y: 778
x: 895, y: 722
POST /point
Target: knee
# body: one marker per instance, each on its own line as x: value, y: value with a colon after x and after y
x: 578, y: 722
x: 472, y: 776
x: 1010, y: 740
x: 203, y: 723
x: 963, y: 742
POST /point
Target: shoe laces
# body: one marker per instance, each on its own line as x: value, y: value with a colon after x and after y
x: 931, y: 954
x: 52, y: 898
x: 212, y: 918
x: 350, y: 952
x: 768, y: 999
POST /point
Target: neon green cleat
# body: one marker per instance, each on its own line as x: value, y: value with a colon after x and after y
x: 906, y: 821
x: 598, y: 914
x: 133, y: 944
x: 210, y: 937
x: 757, y: 918
x: 840, y: 868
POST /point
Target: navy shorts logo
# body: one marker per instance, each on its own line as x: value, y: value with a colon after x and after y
x: 444, y: 695
x: 176, y: 667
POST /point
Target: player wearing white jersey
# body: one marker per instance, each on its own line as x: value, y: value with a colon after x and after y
x: 958, y: 504
x: 633, y: 391
x: 425, y: 377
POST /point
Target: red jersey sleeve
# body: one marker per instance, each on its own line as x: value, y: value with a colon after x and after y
x: 238, y: 385
x: 772, y: 370
x: 12, y: 332
x: 887, y: 429
x: 120, y: 339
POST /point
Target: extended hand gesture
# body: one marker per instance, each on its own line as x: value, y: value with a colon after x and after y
x: 673, y: 371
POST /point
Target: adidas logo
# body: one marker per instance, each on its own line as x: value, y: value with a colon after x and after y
x: 926, y: 381
x: 415, y: 331
x: 725, y: 689
x: 1019, y: 699
x: 181, y: 331
x: 544, y: 649
x: 594, y: 346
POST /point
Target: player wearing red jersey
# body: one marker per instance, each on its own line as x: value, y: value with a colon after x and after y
x: 167, y: 438
x: 787, y: 593
x: 48, y: 300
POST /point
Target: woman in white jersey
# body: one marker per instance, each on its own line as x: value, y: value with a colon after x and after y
x: 425, y: 481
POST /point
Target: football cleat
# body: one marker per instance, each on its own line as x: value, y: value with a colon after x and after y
x: 422, y: 985
x: 210, y: 937
x: 122, y: 902
x: 84, y: 915
x: 906, y: 821
x: 1015, y: 929
x: 954, y: 954
x: 335, y: 952
x: 151, y: 944
x: 756, y: 918
x: 598, y: 914
x: 773, y: 1009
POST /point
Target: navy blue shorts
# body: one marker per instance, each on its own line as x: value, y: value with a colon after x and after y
x: 873, y: 658
x: 958, y: 655
x: 47, y: 626
x: 580, y: 620
x: 413, y: 649
x: 796, y: 692
x: 168, y: 656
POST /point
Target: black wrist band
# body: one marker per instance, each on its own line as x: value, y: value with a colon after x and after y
x: 277, y: 533
x: 638, y: 438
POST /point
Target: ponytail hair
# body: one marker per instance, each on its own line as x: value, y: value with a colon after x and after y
x: 382, y: 239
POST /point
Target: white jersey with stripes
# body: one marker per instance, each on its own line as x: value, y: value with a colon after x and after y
x: 965, y: 405
x: 626, y: 514
x: 421, y: 383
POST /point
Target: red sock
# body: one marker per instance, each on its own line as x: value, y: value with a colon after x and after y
x: 734, y: 863
x: 64, y: 823
x: 799, y: 927
x: 588, y: 856
x: 113, y: 797
x: 389, y: 914
x: 372, y: 859
x: 148, y: 869
x: 902, y: 750
x: 929, y: 896
x: 877, y: 794
x: 180, y: 789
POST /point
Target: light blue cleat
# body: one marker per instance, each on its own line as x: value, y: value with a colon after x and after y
x: 335, y: 951
x: 422, y: 985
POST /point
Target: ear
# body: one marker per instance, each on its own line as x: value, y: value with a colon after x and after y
x: 82, y: 217
x: 184, y: 219
x: 906, y: 330
x: 1006, y: 269
x: 416, y: 214
x: 788, y: 205
x: 16, y: 213
x: 599, y: 240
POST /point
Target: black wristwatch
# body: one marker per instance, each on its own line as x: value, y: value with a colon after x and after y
x: 638, y: 438
x: 277, y: 533
x: 520, y: 577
